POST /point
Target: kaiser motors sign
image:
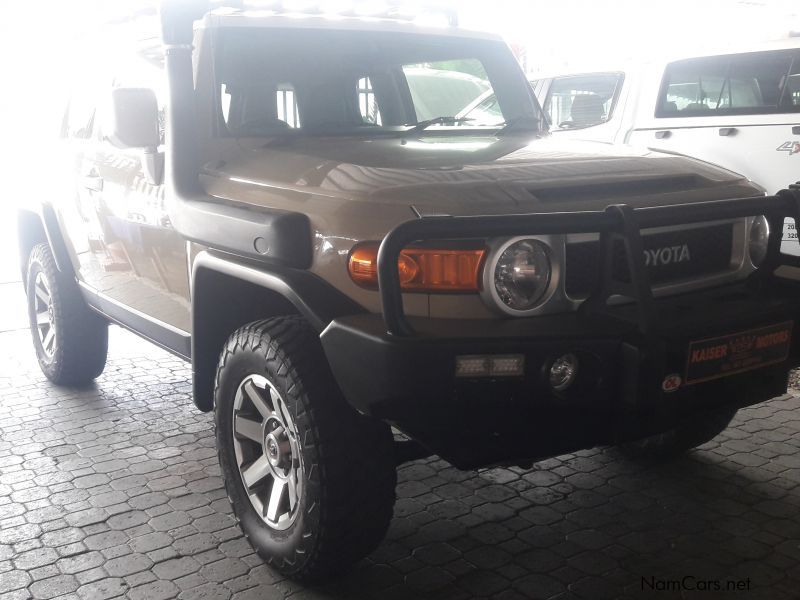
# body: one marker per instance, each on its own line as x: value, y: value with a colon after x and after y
x: 790, y: 147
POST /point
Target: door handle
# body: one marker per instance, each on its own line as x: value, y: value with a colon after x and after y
x: 728, y: 131
x: 93, y: 183
x: 663, y: 135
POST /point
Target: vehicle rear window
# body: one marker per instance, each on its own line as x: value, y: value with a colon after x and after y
x: 737, y: 84
x: 582, y: 100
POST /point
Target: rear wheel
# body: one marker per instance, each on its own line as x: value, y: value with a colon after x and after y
x: 71, y: 341
x: 690, y: 434
x: 310, y: 480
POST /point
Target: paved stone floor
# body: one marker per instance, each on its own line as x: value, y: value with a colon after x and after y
x: 114, y: 491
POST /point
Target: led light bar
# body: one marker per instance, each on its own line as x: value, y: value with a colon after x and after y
x: 488, y: 365
x: 403, y: 10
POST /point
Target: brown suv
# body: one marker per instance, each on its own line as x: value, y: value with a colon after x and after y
x: 336, y: 251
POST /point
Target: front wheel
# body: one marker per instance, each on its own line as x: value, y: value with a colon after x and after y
x: 311, y: 481
x: 686, y: 436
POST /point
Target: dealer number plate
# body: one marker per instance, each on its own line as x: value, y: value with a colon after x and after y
x: 739, y: 352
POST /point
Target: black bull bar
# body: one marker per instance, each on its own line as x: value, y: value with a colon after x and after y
x: 617, y: 223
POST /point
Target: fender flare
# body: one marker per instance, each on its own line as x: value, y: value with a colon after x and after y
x: 45, y: 216
x: 280, y: 291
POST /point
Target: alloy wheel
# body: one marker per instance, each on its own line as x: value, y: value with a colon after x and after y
x: 45, y: 315
x: 267, y: 451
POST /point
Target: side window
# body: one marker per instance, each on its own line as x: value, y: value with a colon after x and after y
x: 259, y: 107
x: 791, y: 91
x: 287, y: 105
x: 367, y: 102
x: 583, y: 100
x: 754, y: 83
x: 80, y: 116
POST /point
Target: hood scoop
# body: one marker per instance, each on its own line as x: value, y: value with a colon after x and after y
x: 620, y: 189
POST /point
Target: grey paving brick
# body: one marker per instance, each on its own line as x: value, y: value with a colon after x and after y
x: 54, y: 586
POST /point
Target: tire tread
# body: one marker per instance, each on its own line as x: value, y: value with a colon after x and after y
x: 354, y: 455
x: 83, y: 335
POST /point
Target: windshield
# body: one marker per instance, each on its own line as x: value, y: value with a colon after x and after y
x: 327, y: 82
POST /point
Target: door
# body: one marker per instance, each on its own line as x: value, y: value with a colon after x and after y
x: 133, y: 256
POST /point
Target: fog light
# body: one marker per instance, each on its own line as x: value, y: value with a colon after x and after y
x: 510, y: 365
x: 563, y: 372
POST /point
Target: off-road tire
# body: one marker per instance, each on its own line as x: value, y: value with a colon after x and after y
x: 348, y: 464
x: 675, y: 442
x: 78, y: 352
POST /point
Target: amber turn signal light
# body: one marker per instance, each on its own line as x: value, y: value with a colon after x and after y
x: 422, y: 269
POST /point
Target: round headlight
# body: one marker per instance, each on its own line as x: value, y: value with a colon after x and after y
x: 759, y: 240
x: 522, y: 274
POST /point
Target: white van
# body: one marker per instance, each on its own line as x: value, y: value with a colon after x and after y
x: 740, y: 110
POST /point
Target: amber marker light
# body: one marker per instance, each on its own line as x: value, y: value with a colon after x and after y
x: 422, y: 269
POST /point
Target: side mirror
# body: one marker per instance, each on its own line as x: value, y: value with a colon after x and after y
x: 133, y: 119
x: 133, y: 123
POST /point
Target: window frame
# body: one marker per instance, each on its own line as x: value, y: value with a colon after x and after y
x: 794, y: 64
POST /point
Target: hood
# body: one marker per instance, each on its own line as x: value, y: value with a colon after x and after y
x: 467, y: 175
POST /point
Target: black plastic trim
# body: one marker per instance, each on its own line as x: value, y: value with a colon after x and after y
x: 315, y: 299
x: 167, y: 337
x: 228, y: 293
x: 410, y: 382
x: 56, y: 240
x: 280, y: 237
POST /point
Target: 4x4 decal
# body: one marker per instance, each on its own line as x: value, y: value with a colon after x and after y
x: 790, y: 147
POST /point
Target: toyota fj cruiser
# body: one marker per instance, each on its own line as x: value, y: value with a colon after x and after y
x: 333, y: 266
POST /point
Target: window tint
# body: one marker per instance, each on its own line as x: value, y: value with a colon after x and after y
x: 364, y: 83
x: 445, y: 89
x: 583, y: 100
x: 484, y: 110
x: 754, y: 83
x: 287, y: 105
x: 367, y: 102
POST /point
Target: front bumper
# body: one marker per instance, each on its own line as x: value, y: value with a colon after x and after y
x: 402, y: 370
x: 618, y: 396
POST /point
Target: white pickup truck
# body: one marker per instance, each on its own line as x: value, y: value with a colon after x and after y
x: 739, y: 110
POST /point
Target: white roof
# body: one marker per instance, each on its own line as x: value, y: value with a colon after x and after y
x: 273, y: 19
x: 627, y: 66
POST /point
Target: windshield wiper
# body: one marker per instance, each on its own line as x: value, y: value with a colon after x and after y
x: 423, y: 125
x: 522, y: 123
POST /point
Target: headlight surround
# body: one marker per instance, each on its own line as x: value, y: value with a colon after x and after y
x: 521, y: 275
x: 758, y: 240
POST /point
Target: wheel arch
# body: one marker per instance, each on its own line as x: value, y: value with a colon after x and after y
x: 41, y: 227
x: 228, y: 294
